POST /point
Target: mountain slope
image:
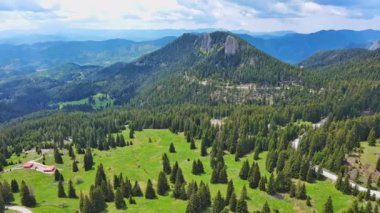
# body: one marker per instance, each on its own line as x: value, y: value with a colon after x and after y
x: 296, y: 47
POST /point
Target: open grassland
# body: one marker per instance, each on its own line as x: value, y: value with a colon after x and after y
x: 142, y: 161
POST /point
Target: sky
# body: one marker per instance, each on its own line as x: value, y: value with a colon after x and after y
x: 251, y: 15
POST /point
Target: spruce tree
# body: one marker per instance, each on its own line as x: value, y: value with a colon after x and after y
x: 72, y: 193
x: 179, y: 177
x: 179, y: 191
x: 244, y: 170
x: 166, y: 164
x: 201, y: 169
x: 136, y: 191
x: 301, y: 192
x: 75, y: 166
x: 57, y: 156
x: 14, y: 186
x: 162, y: 184
x: 244, y: 194
x: 131, y: 200
x: 271, y: 185
x: 192, y: 144
x: 203, y: 148
x: 61, y: 190
x: 149, y: 191
x: 222, y: 177
x: 119, y: 200
x: 97, y: 199
x: 88, y: 160
x: 230, y: 190
x: 218, y: 204
x: 308, y: 202
x: 27, y: 198
x: 254, y: 176
x: 292, y: 191
x: 233, y: 202
x: 172, y: 148
x: 266, y: 208
x: 371, y: 138
x: 100, y: 176
x: 2, y: 203
x: 241, y: 205
x: 378, y: 165
x: 194, y: 169
x: 193, y: 204
x: 328, y: 208
x: 173, y: 174
x: 262, y: 184
x: 6, y: 190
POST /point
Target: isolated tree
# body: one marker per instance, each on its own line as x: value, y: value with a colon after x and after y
x: 136, y: 191
x: 131, y: 132
x: 166, y: 164
x: 119, y: 200
x: 61, y: 190
x: 244, y: 171
x: 192, y: 144
x: 371, y: 138
x: 149, y: 192
x: 266, y: 208
x: 57, y: 156
x: 27, y: 198
x: 172, y: 148
x: 218, y: 204
x: 328, y: 208
x: 71, y: 190
x: 14, y: 186
x: 308, y: 201
x: 57, y: 176
x: 88, y: 160
x: 75, y: 166
x: 162, y: 184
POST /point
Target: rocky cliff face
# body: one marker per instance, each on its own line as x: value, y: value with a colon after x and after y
x: 231, y: 45
x: 206, y: 41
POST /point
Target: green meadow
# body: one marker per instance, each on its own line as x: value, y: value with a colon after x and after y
x: 142, y: 161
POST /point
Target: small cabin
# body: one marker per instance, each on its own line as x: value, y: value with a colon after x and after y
x: 49, y: 169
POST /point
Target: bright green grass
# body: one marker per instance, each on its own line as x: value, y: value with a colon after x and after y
x: 24, y: 157
x: 100, y: 101
x: 143, y: 161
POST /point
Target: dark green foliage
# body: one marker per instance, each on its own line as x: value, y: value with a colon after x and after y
x: 219, y: 174
x: 218, y: 203
x: 266, y: 208
x: 136, y: 191
x: 378, y: 164
x: 301, y: 191
x: 6, y: 191
x: 14, y: 186
x: 2, y: 203
x: 271, y: 185
x: 241, y: 205
x: 172, y: 148
x: 233, y: 202
x: 254, y: 176
x: 230, y: 191
x: 166, y: 164
x: 72, y: 193
x: 179, y: 191
x: 197, y: 167
x: 97, y: 199
x: 328, y: 207
x: 131, y: 200
x: 173, y: 173
x: 150, y: 193
x: 308, y: 201
x: 61, y: 190
x: 131, y: 132
x: 162, y: 184
x: 262, y: 184
x: 192, y: 144
x: 57, y: 156
x: 88, y: 160
x: 283, y: 182
x: 100, y: 175
x: 75, y: 166
x: 179, y: 177
x: 192, y: 188
x: 244, y: 171
x: 119, y: 200
x: 57, y: 176
x: 371, y: 138
x: 27, y: 198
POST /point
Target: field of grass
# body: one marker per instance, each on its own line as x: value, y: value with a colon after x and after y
x: 142, y: 161
x: 100, y: 101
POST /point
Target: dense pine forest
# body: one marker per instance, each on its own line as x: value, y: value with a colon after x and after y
x: 238, y: 112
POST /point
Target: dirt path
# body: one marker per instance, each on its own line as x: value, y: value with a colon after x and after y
x: 20, y: 209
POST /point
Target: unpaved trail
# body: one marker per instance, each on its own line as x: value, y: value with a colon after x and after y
x: 20, y: 209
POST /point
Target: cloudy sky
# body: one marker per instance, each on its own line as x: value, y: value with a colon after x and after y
x: 252, y: 15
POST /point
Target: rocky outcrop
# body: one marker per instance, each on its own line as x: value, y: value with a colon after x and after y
x: 231, y: 45
x: 374, y: 45
x: 206, y: 41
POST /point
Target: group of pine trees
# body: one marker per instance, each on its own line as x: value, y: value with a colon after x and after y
x: 7, y: 190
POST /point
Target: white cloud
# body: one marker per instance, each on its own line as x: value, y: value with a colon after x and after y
x: 253, y: 15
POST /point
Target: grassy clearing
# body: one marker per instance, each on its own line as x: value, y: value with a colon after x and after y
x: 99, y: 101
x: 142, y: 161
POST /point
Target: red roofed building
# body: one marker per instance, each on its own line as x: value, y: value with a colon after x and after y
x: 49, y: 169
x: 28, y: 165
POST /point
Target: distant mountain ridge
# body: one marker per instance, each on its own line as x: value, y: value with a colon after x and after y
x: 293, y: 48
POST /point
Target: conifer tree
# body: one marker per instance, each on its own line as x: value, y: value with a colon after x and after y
x: 173, y: 174
x: 301, y: 192
x: 201, y: 169
x: 131, y: 132
x: 131, y: 200
x: 61, y: 190
x: 88, y: 160
x: 14, y: 186
x: 244, y: 194
x: 27, y: 198
x: 241, y: 205
x: 97, y: 199
x: 172, y: 148
x: 162, y: 184
x: 179, y: 191
x: 136, y: 191
x: 371, y: 138
x: 166, y: 164
x: 310, y: 177
x: 271, y: 185
x: 6, y: 190
x: 75, y: 166
x: 292, y: 191
x: 328, y: 208
x: 2, y: 203
x: 262, y: 184
x: 193, y: 205
x: 119, y: 200
x: 179, y: 177
x: 57, y: 156
x: 266, y: 208
x: 203, y: 148
x: 254, y: 176
x: 72, y: 193
x: 244, y: 170
x: 378, y: 164
x: 218, y: 204
x: 223, y: 178
x: 149, y: 191
x: 230, y: 190
x: 100, y: 175
x: 192, y: 144
x: 308, y: 202
x: 233, y: 202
